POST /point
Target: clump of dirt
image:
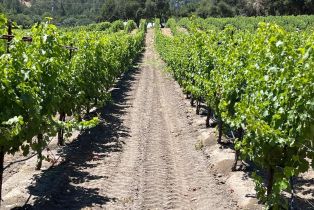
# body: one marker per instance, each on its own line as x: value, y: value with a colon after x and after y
x: 167, y: 32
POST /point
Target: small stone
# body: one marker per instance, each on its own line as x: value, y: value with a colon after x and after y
x: 207, y: 139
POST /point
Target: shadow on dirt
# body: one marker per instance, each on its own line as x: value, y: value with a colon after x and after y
x: 56, y: 188
x: 305, y: 186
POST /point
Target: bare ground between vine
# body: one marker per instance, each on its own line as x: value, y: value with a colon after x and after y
x: 143, y: 156
x: 167, y: 32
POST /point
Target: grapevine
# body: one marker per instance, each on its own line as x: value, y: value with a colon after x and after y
x: 258, y: 83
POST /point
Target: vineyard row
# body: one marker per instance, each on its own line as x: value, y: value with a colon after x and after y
x: 42, y: 82
x: 258, y: 87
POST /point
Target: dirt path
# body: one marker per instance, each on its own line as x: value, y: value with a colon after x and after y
x: 160, y: 167
x: 142, y: 157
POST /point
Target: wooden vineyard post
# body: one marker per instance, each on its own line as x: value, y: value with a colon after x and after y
x: 8, y: 36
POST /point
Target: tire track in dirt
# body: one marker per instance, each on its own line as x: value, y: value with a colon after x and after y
x: 146, y: 161
x: 160, y: 168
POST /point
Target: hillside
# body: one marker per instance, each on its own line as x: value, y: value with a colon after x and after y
x: 69, y: 12
x: 82, y: 12
x: 67, y: 7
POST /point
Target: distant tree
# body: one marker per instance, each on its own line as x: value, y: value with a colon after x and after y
x: 309, y: 6
x: 71, y: 21
x: 140, y: 13
x: 132, y: 9
x: 84, y: 21
x: 225, y: 10
x: 150, y: 9
x: 186, y: 10
x: 2, y: 8
x: 135, y: 9
x: 205, y: 9
x: 62, y: 10
x: 162, y: 10
x: 109, y: 10
x: 46, y: 14
x: 36, y: 18
x: 23, y: 20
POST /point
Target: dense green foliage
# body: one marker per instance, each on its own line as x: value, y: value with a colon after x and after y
x: 38, y: 80
x: 50, y: 76
x: 229, y: 8
x: 260, y: 82
x: 84, y: 12
x: 290, y: 23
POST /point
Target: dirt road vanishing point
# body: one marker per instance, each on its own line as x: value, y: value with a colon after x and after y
x: 142, y: 157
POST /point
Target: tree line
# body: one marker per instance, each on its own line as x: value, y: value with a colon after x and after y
x: 83, y: 12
